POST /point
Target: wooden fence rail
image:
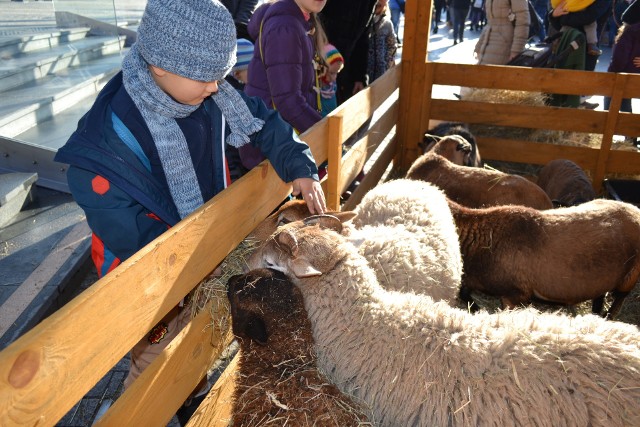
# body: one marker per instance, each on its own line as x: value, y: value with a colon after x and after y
x: 45, y: 372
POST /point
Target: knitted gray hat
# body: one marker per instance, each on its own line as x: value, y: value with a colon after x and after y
x: 191, y: 38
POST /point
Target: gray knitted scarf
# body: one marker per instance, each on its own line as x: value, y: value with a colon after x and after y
x: 160, y: 112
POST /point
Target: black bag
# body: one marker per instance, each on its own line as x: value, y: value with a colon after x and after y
x: 546, y: 54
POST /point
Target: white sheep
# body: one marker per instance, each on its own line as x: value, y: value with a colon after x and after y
x: 404, y: 229
x: 419, y: 362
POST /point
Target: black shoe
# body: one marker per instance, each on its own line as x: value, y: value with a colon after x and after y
x: 588, y: 105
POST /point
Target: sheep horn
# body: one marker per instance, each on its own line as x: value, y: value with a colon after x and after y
x: 325, y: 221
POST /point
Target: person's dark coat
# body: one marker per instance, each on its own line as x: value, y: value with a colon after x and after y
x: 346, y: 24
x: 241, y: 11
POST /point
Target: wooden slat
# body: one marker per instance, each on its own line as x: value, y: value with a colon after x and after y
x: 357, y: 156
x: 570, y: 82
x: 67, y: 351
x: 628, y: 124
x: 632, y: 89
x: 217, y: 408
x: 607, y: 137
x: 316, y: 138
x: 372, y: 178
x: 334, y: 168
x: 510, y: 150
x: 552, y: 118
x: 159, y: 391
x: 624, y: 162
x: 361, y: 106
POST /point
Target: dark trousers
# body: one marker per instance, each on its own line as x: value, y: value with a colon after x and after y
x: 459, y: 16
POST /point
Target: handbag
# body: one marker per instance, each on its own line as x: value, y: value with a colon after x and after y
x: 535, y: 21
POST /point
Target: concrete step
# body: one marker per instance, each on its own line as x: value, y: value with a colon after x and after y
x: 26, y: 67
x: 14, y: 191
x: 11, y: 46
x: 27, y: 106
x: 44, y: 248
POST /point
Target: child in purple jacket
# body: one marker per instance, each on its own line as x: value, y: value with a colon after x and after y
x: 626, y: 51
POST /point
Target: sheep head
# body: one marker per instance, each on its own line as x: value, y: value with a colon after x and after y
x: 290, y: 212
x: 302, y: 248
x: 264, y: 305
x: 454, y: 148
x: 293, y: 210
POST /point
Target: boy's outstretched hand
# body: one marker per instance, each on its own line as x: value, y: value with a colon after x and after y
x: 312, y: 193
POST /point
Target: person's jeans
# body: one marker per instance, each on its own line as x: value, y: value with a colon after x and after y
x: 542, y: 10
x: 625, y: 105
x: 395, y: 20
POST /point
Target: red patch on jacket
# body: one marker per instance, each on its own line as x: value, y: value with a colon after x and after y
x: 100, y: 185
x: 158, y: 333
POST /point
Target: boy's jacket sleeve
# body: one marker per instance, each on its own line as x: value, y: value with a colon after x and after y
x: 278, y: 142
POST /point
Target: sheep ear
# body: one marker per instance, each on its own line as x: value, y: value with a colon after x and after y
x: 325, y: 221
x: 288, y: 242
x: 302, y: 268
x: 345, y: 216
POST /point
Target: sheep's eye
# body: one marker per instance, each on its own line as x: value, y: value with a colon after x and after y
x: 282, y: 221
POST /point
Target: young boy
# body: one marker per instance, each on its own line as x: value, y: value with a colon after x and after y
x: 240, y: 72
x: 151, y: 149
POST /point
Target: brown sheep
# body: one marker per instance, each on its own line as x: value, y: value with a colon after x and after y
x: 565, y: 183
x: 565, y: 255
x: 433, y: 135
x: 278, y: 381
x: 475, y: 187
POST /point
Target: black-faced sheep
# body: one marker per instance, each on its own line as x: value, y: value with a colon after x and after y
x: 476, y: 187
x: 433, y: 135
x: 417, y: 362
x: 565, y: 255
x: 565, y: 183
x: 406, y: 231
x: 278, y: 382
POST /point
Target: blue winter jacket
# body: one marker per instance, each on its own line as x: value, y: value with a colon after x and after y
x: 116, y: 176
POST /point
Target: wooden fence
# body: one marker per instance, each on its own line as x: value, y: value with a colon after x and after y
x: 48, y: 370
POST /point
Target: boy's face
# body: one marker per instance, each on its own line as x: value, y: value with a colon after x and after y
x: 182, y: 89
x: 241, y: 75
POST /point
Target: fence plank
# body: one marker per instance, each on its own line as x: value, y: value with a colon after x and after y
x: 217, y: 408
x: 510, y: 150
x: 607, y: 134
x: 372, y: 178
x: 67, y: 350
x: 334, y: 148
x: 546, y: 80
x: 157, y: 394
x: 552, y: 118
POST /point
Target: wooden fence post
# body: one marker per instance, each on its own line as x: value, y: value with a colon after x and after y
x: 334, y: 158
x: 417, y: 25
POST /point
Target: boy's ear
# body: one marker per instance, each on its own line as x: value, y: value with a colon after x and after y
x: 157, y: 71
